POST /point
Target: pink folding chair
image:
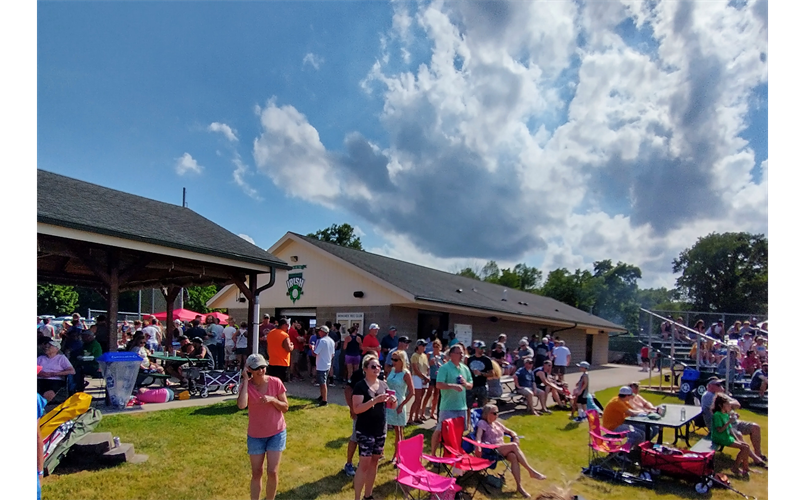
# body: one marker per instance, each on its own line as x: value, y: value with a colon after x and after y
x: 412, y: 476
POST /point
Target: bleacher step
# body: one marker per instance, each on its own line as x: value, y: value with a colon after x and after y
x: 92, y: 444
x: 119, y: 454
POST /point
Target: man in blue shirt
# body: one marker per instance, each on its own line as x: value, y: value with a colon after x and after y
x: 524, y: 383
x: 388, y: 343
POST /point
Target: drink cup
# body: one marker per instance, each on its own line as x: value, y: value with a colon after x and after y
x: 391, y: 395
x: 460, y: 380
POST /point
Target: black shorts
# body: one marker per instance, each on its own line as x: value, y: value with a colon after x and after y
x: 370, y: 445
x: 559, y: 369
x: 44, y: 385
x: 645, y: 360
x: 244, y: 351
x: 281, y: 372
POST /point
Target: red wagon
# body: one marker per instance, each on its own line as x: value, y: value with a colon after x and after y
x: 658, y: 459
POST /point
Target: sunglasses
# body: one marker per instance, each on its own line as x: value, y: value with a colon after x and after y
x: 373, y: 366
x: 395, y: 359
x: 493, y: 412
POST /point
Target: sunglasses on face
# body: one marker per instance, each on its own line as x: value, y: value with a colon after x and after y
x: 395, y: 359
x: 373, y: 366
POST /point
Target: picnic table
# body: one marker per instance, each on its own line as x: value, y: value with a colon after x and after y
x: 673, y: 419
x: 510, y: 394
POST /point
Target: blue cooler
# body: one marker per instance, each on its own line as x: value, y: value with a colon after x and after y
x: 690, y: 379
x: 120, y: 370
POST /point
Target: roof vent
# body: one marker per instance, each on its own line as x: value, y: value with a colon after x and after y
x: 459, y: 290
x: 474, y: 289
x: 505, y: 293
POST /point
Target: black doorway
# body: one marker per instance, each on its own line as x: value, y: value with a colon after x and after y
x: 589, y: 351
x: 427, y: 321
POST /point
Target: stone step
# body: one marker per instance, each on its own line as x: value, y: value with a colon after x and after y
x: 93, y: 444
x: 119, y: 454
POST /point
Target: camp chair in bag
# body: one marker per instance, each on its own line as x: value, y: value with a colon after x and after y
x: 411, y: 475
x: 455, y: 456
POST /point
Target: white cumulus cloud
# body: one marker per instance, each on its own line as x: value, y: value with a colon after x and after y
x: 187, y: 163
x: 247, y: 238
x: 558, y: 133
x: 224, y: 129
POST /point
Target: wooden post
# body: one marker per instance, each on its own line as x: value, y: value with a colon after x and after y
x: 170, y: 296
x: 114, y: 296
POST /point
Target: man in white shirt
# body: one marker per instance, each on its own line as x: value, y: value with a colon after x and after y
x: 561, y: 360
x: 214, y: 339
x: 325, y: 348
x: 229, y: 335
x: 154, y: 330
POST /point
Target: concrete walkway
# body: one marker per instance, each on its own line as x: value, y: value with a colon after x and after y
x: 601, y: 378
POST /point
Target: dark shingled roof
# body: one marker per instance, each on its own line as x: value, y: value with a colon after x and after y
x: 97, y: 209
x: 438, y: 286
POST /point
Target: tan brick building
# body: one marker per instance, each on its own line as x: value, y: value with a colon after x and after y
x: 332, y: 283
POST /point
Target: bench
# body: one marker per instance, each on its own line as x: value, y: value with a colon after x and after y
x: 705, y: 445
x: 146, y: 379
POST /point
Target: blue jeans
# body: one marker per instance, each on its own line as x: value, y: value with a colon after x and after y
x: 337, y: 364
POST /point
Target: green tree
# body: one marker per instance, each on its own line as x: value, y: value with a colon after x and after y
x: 576, y: 289
x: 725, y: 272
x: 616, y: 293
x: 469, y: 273
x: 490, y: 272
x: 343, y: 235
x: 530, y: 277
x: 58, y: 300
x: 197, y: 297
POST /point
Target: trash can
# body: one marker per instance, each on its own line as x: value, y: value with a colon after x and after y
x: 120, y: 370
x: 690, y: 379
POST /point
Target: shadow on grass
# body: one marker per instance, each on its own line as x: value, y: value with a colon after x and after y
x: 337, y: 443
x: 325, y: 486
x: 300, y: 406
x: 216, y: 410
x: 570, y: 426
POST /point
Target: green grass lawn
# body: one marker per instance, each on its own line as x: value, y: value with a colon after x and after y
x: 200, y: 453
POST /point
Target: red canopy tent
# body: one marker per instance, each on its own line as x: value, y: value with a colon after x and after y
x: 181, y: 314
x: 223, y: 318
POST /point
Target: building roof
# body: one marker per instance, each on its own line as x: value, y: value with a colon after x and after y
x: 71, y: 203
x: 432, y: 285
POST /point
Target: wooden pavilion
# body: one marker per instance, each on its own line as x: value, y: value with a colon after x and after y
x: 112, y: 241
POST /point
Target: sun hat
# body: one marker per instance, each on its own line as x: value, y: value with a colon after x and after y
x: 625, y: 391
x: 583, y: 364
x: 523, y: 341
x: 255, y: 361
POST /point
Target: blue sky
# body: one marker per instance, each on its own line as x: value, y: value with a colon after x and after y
x: 449, y: 133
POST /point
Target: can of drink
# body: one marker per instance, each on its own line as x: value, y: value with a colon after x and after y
x: 460, y: 380
x: 391, y: 394
x: 682, y: 414
x: 117, y: 441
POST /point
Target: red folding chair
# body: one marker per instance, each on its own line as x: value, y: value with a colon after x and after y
x: 455, y: 456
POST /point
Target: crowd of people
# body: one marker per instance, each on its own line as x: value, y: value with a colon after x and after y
x: 739, y: 352
x: 385, y: 389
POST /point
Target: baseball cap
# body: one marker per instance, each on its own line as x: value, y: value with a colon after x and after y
x: 324, y: 329
x: 393, y: 328
x: 625, y: 391
x: 374, y: 326
x: 479, y: 344
x: 53, y: 343
x: 583, y: 364
x: 421, y: 342
x: 403, y: 340
x: 197, y: 340
x: 255, y: 361
x: 715, y: 380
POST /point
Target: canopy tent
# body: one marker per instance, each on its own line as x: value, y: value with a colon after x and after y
x: 181, y: 314
x: 223, y: 318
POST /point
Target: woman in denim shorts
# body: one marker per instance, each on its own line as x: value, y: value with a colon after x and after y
x: 265, y: 439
